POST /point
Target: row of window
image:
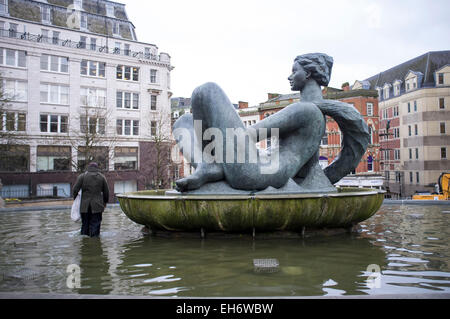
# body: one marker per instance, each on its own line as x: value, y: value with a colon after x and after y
x: 411, y: 106
x: 442, y: 129
x: 17, y: 90
x: 53, y: 123
x: 53, y: 63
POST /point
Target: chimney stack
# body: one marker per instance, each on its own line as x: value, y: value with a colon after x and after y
x: 272, y: 95
x: 346, y: 86
x: 243, y: 105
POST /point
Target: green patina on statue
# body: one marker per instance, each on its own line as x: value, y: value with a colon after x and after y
x: 238, y: 187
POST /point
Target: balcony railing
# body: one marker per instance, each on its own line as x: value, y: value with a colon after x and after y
x: 39, y: 38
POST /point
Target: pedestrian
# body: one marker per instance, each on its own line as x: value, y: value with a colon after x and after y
x: 94, y: 197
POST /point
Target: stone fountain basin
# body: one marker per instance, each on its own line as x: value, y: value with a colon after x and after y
x: 247, y: 213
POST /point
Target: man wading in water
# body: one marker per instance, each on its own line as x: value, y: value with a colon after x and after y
x: 94, y: 197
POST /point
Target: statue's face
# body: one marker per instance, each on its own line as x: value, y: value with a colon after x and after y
x: 298, y: 77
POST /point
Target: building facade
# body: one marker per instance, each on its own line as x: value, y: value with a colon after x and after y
x: 414, y: 99
x: 79, y: 86
x: 367, y: 173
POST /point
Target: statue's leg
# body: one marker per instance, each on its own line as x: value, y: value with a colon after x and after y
x: 212, y: 108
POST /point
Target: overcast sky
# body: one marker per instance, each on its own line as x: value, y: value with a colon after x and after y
x: 248, y: 46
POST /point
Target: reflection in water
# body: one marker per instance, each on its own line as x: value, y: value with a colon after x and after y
x: 408, y: 243
x: 94, y: 267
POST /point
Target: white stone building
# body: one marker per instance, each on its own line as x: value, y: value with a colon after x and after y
x: 71, y: 66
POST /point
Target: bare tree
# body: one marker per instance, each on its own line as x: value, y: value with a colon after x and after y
x: 158, y: 167
x: 92, y: 141
x: 11, y: 124
x: 13, y: 155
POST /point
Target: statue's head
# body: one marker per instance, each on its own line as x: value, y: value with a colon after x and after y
x: 315, y: 66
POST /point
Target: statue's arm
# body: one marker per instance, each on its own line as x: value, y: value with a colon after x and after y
x: 287, y: 120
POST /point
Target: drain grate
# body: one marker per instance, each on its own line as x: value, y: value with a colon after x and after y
x: 266, y: 265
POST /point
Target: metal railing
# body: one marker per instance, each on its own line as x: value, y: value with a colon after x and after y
x: 39, y: 38
x: 18, y: 193
x: 41, y: 192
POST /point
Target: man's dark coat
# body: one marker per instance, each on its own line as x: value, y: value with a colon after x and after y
x: 95, y: 190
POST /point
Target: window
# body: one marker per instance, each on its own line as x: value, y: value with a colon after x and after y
x: 397, y: 89
x: 92, y: 125
x: 396, y: 132
x: 410, y: 153
x: 83, y: 21
x: 369, y: 109
x: 128, y: 73
x: 153, y: 102
x: 409, y: 130
x: 417, y: 177
x: 82, y: 43
x: 93, y: 44
x: 93, y: 68
x: 416, y: 129
x: 324, y: 140
x: 127, y: 50
x: 440, y: 78
x: 93, y: 97
x: 15, y: 90
x: 386, y: 92
x: 397, y: 154
x: 110, y: 10
x: 125, y: 158
x: 13, y: 121
x: 98, y: 154
x: 395, y: 110
x: 148, y: 53
x: 441, y: 103
x: 45, y: 36
x: 115, y: 28
x: 3, y: 6
x: 55, y: 39
x: 117, y: 47
x: 407, y: 86
x: 417, y: 153
x: 15, y: 58
x: 127, y: 127
x: 127, y: 100
x: 14, y: 158
x: 415, y: 106
x: 45, y: 15
x: 78, y: 4
x: 54, y: 63
x: 369, y: 164
x: 442, y: 127
x: 153, y: 125
x: 53, y: 123
x: 370, y: 134
x: 13, y: 30
x: 398, y: 177
x: 443, y: 152
x: 53, y: 158
x: 409, y: 107
x: 54, y: 94
x: 153, y: 74
x: 411, y: 177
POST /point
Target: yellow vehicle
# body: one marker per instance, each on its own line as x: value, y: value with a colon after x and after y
x: 444, y: 190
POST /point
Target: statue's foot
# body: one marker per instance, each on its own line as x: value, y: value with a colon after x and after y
x: 205, y: 173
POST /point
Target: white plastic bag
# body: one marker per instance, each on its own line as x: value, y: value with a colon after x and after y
x: 75, y: 213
